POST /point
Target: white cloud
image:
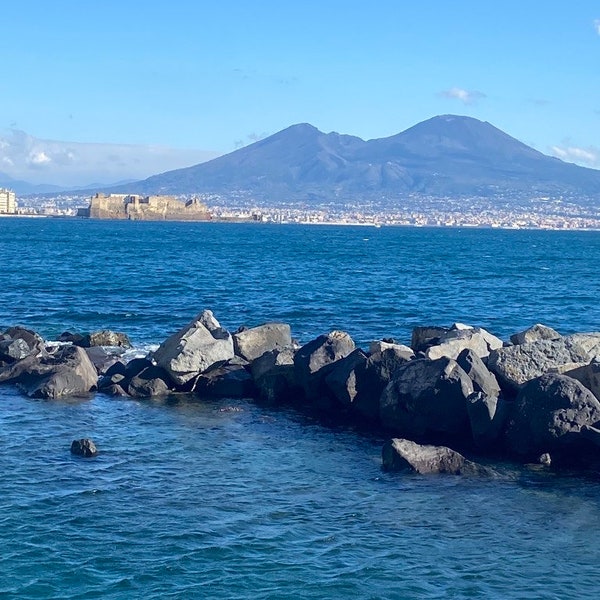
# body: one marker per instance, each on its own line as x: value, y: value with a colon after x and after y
x: 597, y: 26
x: 465, y: 96
x: 39, y: 158
x: 25, y: 157
x: 589, y: 156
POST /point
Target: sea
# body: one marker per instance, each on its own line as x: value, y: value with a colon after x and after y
x: 228, y: 499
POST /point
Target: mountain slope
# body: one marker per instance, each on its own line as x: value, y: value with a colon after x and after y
x: 445, y: 155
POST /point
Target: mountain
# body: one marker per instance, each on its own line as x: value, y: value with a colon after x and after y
x: 445, y: 155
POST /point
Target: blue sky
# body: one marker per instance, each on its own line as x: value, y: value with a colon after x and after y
x: 195, y: 76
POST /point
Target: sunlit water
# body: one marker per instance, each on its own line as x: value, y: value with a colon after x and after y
x: 230, y: 500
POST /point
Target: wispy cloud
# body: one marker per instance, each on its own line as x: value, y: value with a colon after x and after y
x: 465, y: 96
x: 589, y: 156
x: 597, y: 26
x: 23, y: 156
x: 250, y: 139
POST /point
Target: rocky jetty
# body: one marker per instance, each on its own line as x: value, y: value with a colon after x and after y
x: 535, y: 398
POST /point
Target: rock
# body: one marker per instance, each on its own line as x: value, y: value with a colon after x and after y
x: 254, y: 342
x: 402, y: 351
x: 487, y: 416
x: 549, y: 415
x: 69, y: 372
x: 588, y: 375
x: 152, y: 381
x: 515, y: 365
x: 313, y: 362
x: 77, y: 339
x: 373, y: 376
x: 18, y: 371
x: 275, y: 377
x: 427, y: 398
x: 102, y: 358
x: 84, y: 447
x: 423, y: 337
x: 226, y: 381
x: 25, y: 342
x: 533, y: 334
x: 13, y: 350
x: 461, y: 337
x: 194, y: 349
x: 404, y: 455
x: 341, y: 381
x: 106, y: 337
x: 483, y: 379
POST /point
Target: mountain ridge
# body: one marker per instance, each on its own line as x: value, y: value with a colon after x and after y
x: 444, y: 155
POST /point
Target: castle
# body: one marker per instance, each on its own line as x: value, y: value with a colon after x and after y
x: 144, y: 208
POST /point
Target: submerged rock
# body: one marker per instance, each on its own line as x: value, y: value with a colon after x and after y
x: 405, y: 455
x: 84, y: 447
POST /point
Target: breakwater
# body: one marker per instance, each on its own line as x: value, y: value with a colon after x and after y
x: 533, y: 398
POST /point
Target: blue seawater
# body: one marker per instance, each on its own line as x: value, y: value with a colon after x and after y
x: 227, y: 499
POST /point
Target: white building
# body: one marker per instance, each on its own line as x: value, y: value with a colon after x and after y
x: 8, y: 202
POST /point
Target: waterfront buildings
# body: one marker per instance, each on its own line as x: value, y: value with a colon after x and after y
x: 8, y: 202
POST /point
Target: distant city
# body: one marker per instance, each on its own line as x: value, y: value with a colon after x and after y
x: 517, y: 211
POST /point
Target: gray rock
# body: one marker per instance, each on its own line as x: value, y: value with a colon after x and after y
x: 487, y: 416
x: 461, y: 337
x: 69, y: 372
x: 402, y: 351
x: 18, y: 371
x: 252, y: 343
x: 427, y: 398
x: 549, y: 415
x: 226, y: 381
x: 588, y: 375
x: 483, y: 379
x: 275, y: 377
x: 405, y: 455
x: 13, y: 350
x: 341, y: 381
x: 194, y: 349
x: 423, y: 337
x: 373, y: 376
x: 102, y: 358
x: 515, y: 365
x: 84, y: 447
x: 313, y: 362
x: 153, y: 381
x: 534, y: 333
x: 106, y: 337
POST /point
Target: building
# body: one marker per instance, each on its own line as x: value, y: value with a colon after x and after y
x: 8, y: 202
x: 144, y: 208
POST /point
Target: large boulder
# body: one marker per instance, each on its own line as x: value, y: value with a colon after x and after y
x: 275, y: 376
x: 68, y: 372
x: 374, y: 374
x: 588, y: 375
x: 461, y: 337
x: 153, y: 381
x: 226, y: 381
x: 18, y: 342
x: 313, y: 362
x: 427, y: 398
x: 254, y: 342
x: 106, y: 337
x: 424, y: 337
x: 534, y: 333
x: 405, y: 455
x: 341, y: 381
x: 515, y: 365
x: 483, y: 379
x: 549, y: 414
x: 487, y: 416
x: 192, y: 350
